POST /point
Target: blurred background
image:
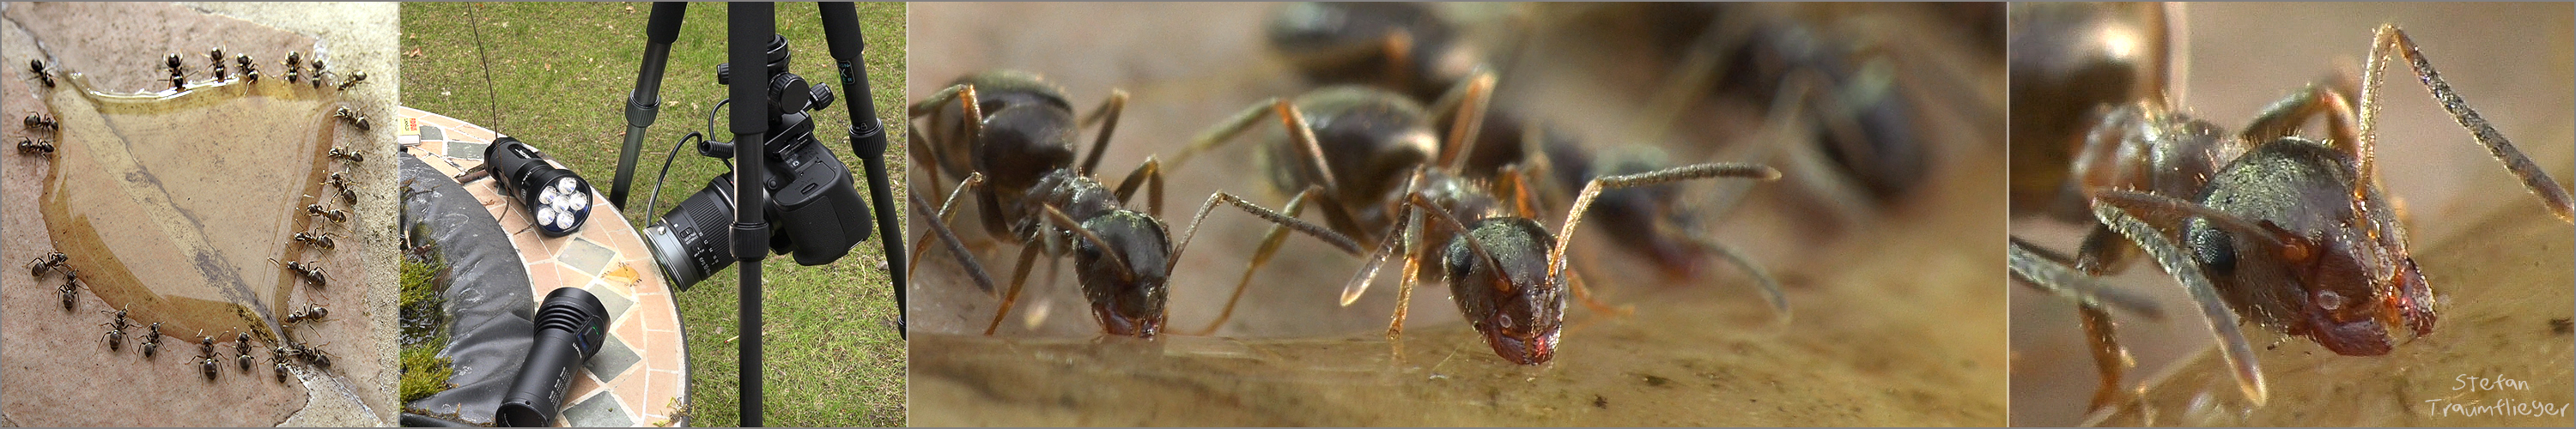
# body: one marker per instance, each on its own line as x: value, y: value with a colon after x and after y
x: 1889, y: 261
x: 2484, y: 242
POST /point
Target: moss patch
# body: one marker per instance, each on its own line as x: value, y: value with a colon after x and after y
x: 424, y: 325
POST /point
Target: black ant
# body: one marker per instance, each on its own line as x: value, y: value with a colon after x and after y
x: 152, y: 340
x: 208, y: 364
x: 307, y: 270
x: 1022, y: 172
x: 38, y: 120
x: 319, y: 73
x: 37, y: 267
x: 311, y: 312
x: 311, y: 354
x: 249, y: 67
x: 42, y: 73
x: 355, y: 78
x: 344, y: 154
x: 341, y: 181
x: 318, y: 239
x: 71, y: 289
x: 115, y: 330
x: 216, y: 57
x: 2264, y: 226
x: 241, y: 350
x: 335, y: 215
x: 178, y: 75
x: 1362, y: 143
x: 294, y: 65
x: 205, y: 344
x: 279, y: 365
x: 43, y: 147
x: 352, y: 117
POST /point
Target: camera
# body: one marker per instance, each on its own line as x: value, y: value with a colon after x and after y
x: 556, y: 198
x: 814, y: 206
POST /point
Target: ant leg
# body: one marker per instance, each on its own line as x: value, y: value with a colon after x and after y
x: 2177, y: 261
x: 2109, y: 358
x: 2284, y: 118
x: 1108, y: 111
x: 1019, y: 276
x: 1591, y: 191
x: 924, y: 156
x: 1475, y: 97
x: 1269, y: 244
x: 939, y: 229
x: 1151, y: 175
x: 931, y: 103
x: 2390, y: 40
x: 2048, y: 272
x: 1404, y: 288
x: 1224, y: 131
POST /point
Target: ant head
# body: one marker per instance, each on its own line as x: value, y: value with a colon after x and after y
x: 1506, y: 288
x: 1127, y: 292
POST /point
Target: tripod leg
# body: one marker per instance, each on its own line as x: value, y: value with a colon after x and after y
x: 867, y: 138
x: 645, y: 103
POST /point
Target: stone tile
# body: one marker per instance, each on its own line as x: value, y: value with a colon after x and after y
x: 613, y: 358
x: 582, y: 386
x: 603, y: 410
x: 529, y: 247
x: 631, y: 331
x: 588, y: 256
x: 657, y: 313
x: 543, y: 279
x: 616, y: 303
x: 669, y: 343
x: 660, y: 389
x: 570, y: 276
x: 465, y: 149
x: 432, y: 132
x: 634, y: 389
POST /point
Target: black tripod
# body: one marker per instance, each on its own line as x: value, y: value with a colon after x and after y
x: 749, y: 29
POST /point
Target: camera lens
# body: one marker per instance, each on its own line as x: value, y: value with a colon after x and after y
x: 689, y: 242
x: 571, y: 324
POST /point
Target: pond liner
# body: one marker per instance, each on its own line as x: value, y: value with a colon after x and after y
x: 489, y: 303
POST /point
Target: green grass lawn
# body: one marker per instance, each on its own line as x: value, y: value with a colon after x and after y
x: 557, y: 74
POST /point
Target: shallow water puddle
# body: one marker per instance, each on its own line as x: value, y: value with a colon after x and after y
x: 174, y: 203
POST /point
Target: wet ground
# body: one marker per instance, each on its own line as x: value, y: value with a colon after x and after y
x: 1897, y: 321
x: 2487, y: 245
x: 173, y: 205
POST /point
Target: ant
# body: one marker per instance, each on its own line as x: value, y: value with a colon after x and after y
x: 241, y: 350
x: 178, y: 75
x: 319, y: 239
x: 311, y: 354
x: 249, y: 67
x: 216, y: 56
x: 51, y: 261
x: 1362, y: 143
x: 152, y: 340
x: 71, y: 289
x: 43, y: 74
x: 2264, y: 226
x: 344, y: 154
x: 335, y: 215
x: 341, y: 181
x: 210, y: 366
x: 319, y: 73
x: 307, y: 270
x: 355, y: 78
x: 1019, y: 166
x: 115, y: 330
x: 1492, y: 255
x: 352, y: 116
x: 279, y: 365
x: 42, y: 147
x: 39, y: 120
x: 205, y: 344
x: 294, y: 63
x: 311, y: 312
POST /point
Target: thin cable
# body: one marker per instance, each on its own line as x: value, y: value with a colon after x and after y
x: 658, y: 178
x: 493, y: 102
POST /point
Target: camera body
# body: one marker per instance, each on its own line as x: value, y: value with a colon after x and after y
x: 814, y: 207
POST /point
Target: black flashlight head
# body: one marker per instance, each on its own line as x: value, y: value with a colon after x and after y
x: 558, y: 200
x: 571, y: 325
